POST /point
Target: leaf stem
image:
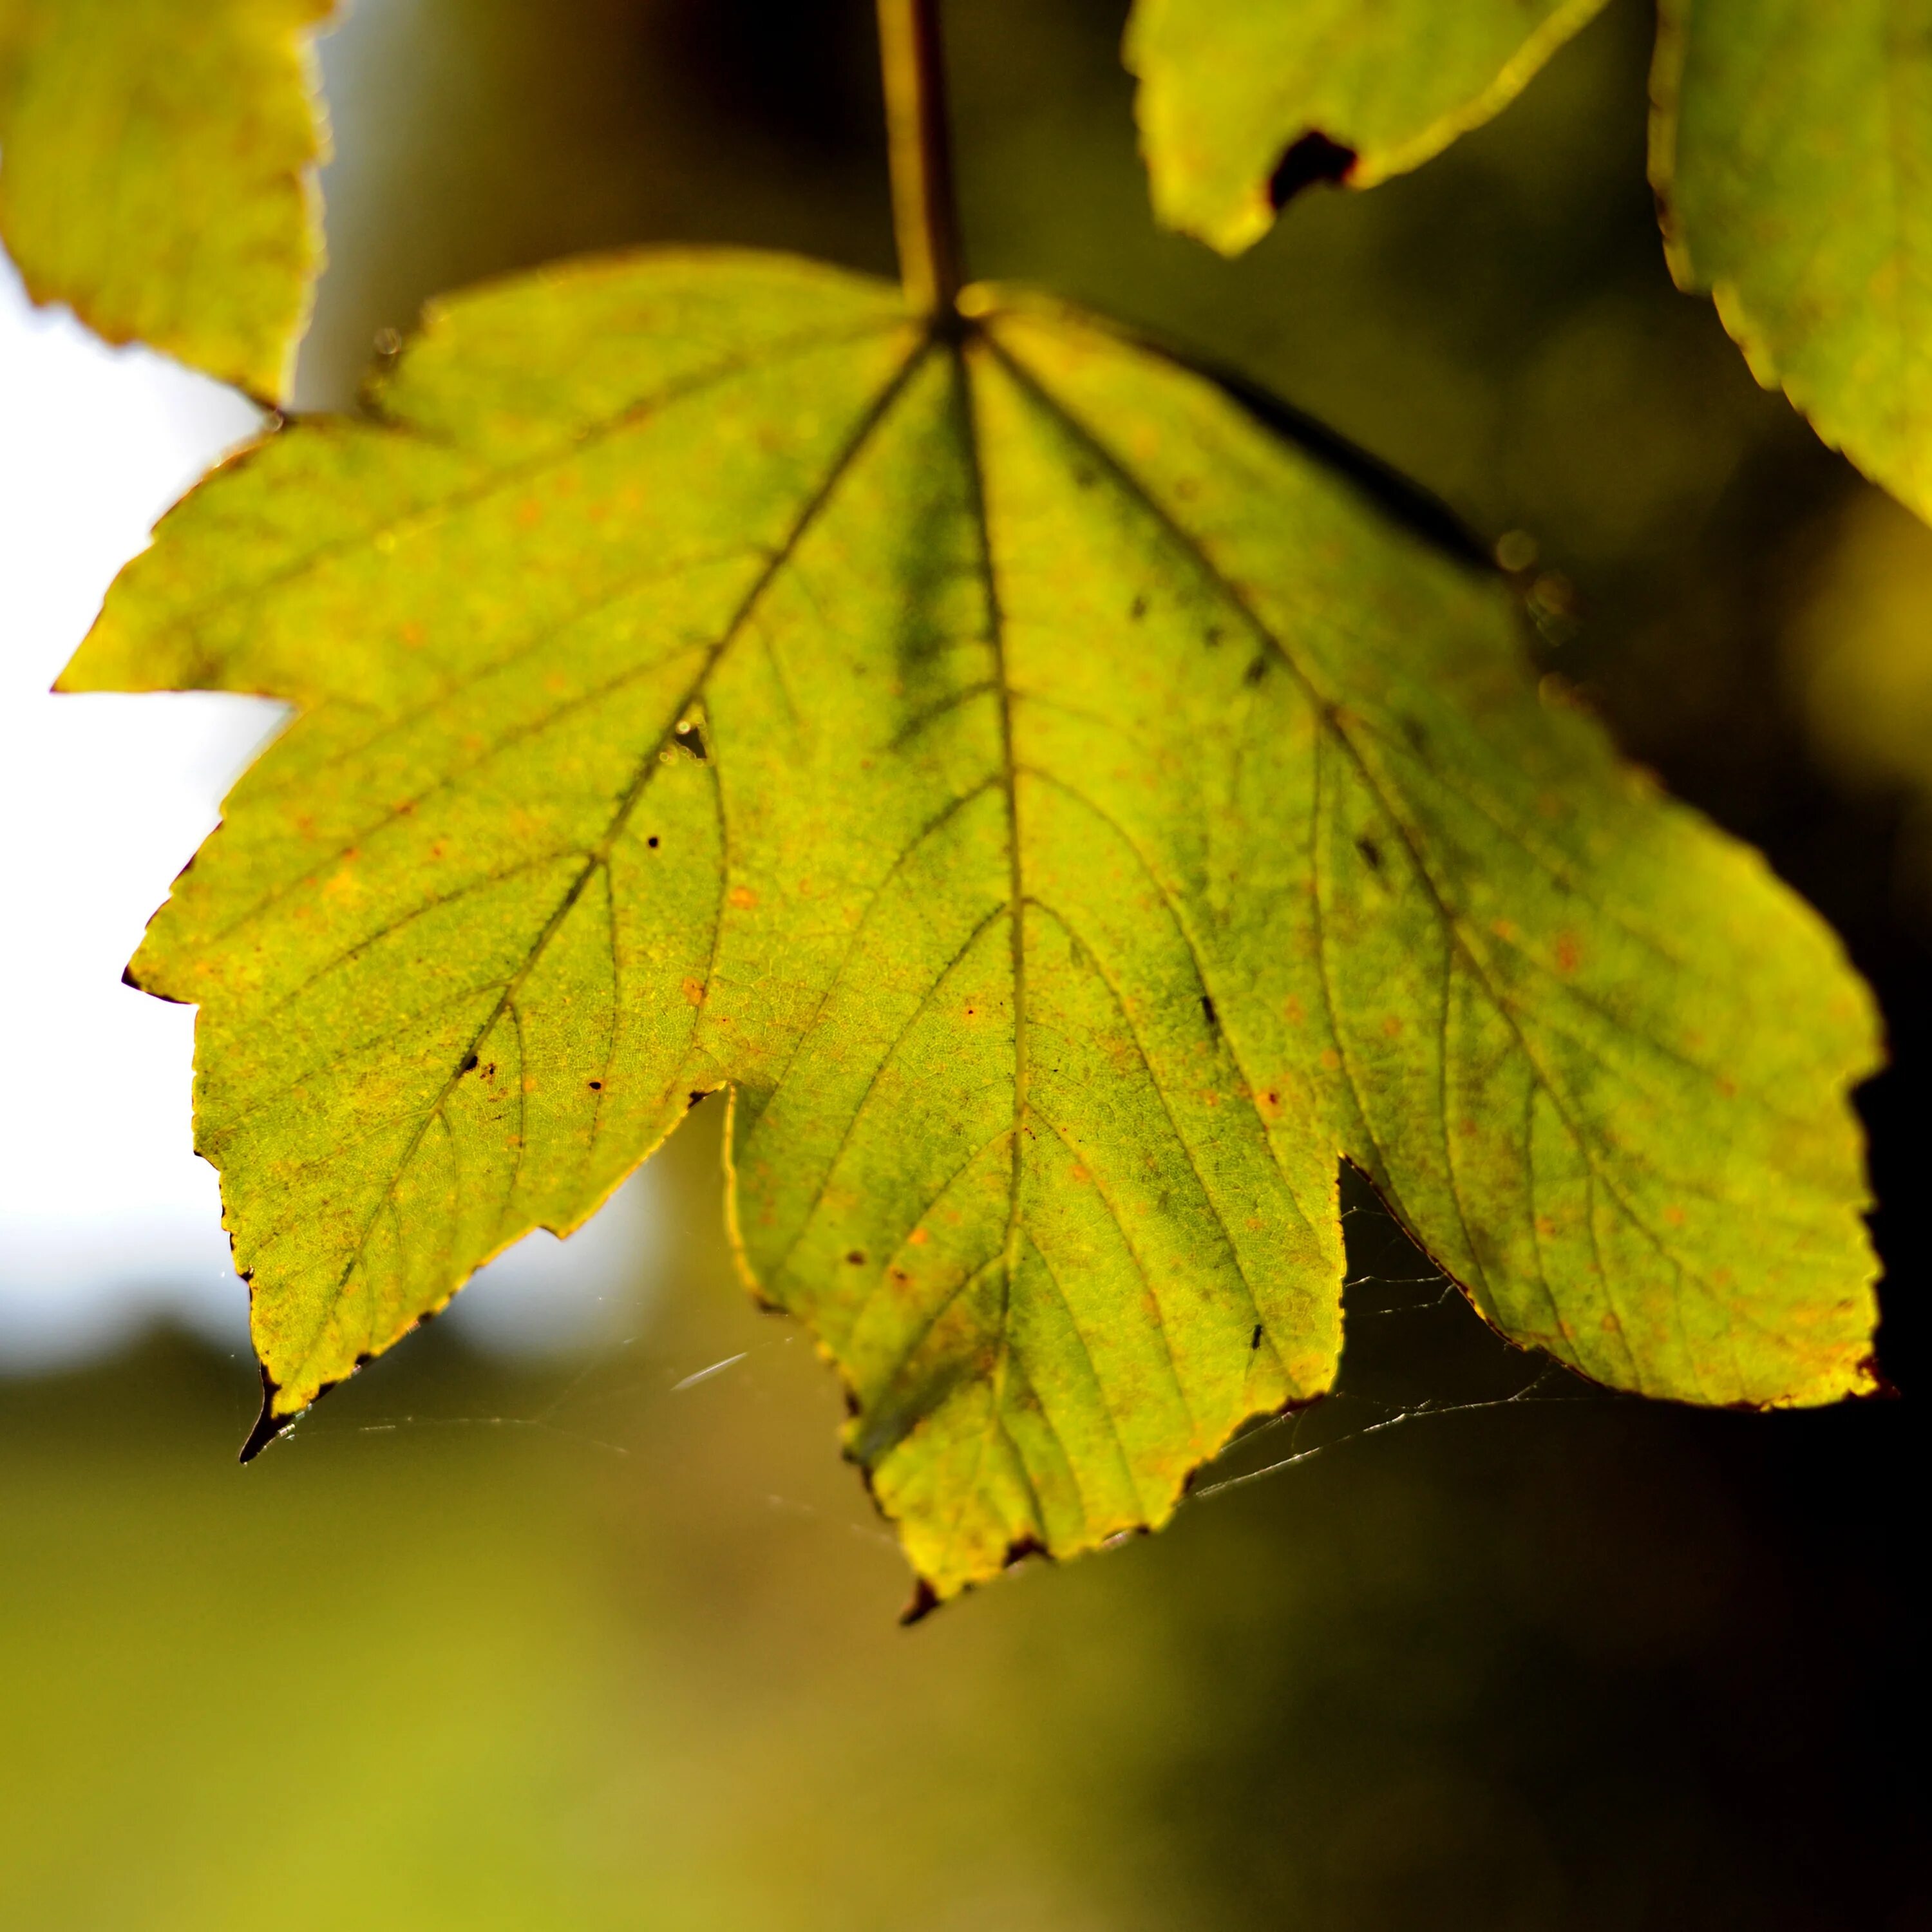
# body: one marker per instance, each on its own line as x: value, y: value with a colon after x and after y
x: 919, y: 145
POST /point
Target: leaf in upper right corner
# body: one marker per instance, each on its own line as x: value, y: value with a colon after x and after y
x: 1791, y: 150
x: 156, y: 164
x: 1234, y: 93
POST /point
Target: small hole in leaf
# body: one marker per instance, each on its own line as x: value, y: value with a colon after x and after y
x: 1312, y: 159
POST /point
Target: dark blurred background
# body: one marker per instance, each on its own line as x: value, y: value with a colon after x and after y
x: 605, y: 1643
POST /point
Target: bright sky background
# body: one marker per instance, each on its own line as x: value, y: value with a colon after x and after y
x: 107, y: 1218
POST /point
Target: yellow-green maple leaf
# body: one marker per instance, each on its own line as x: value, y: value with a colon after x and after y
x: 156, y: 173
x: 1227, y: 87
x: 1068, y: 811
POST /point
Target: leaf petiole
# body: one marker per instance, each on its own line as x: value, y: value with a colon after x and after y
x: 925, y: 214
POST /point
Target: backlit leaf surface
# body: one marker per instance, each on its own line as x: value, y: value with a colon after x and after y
x: 156, y: 172
x: 1067, y: 812
x: 1229, y: 87
x: 1791, y: 145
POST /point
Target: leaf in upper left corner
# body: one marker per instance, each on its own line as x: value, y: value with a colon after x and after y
x: 1232, y: 92
x: 156, y: 173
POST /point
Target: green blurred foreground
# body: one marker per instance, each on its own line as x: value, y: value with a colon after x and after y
x: 473, y: 1651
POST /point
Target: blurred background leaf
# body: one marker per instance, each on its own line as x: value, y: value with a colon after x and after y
x: 158, y: 173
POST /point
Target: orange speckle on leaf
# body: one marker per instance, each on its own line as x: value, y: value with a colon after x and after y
x: 1290, y: 1010
x: 529, y: 1083
x: 1675, y: 1216
x: 412, y: 634
x: 1331, y: 1060
x: 694, y: 992
x: 529, y: 513
x: 1569, y: 951
x: 918, y: 1238
x: 1392, y: 1026
x: 1503, y: 929
x: 742, y: 897
x: 1078, y: 1173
